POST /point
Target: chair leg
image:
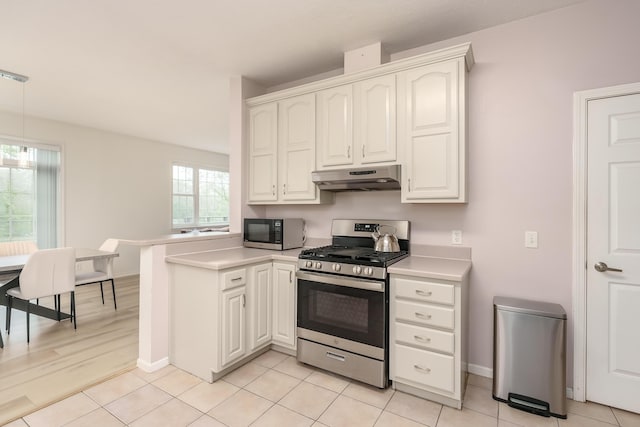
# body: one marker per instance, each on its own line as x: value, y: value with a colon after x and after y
x: 57, y: 302
x: 113, y: 288
x: 73, y: 310
x: 102, y: 293
x: 28, y: 310
x: 8, y: 321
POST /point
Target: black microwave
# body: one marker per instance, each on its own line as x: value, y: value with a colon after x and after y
x: 274, y: 233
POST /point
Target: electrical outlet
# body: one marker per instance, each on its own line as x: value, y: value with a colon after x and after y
x: 531, y: 239
x: 456, y: 237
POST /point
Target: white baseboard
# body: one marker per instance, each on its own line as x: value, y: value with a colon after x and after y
x: 483, y: 371
x: 154, y: 366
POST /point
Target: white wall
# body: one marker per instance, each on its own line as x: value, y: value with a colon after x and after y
x: 520, y: 156
x: 114, y: 185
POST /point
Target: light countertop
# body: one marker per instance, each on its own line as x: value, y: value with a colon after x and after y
x: 233, y: 257
x: 180, y: 238
x: 432, y: 268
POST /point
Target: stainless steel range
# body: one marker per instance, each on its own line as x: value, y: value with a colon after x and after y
x: 343, y: 301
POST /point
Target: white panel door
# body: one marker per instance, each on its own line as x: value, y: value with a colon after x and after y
x: 433, y: 159
x: 233, y: 325
x: 297, y: 147
x: 263, y: 152
x: 284, y: 304
x: 259, y: 302
x: 335, y: 126
x: 375, y: 120
x: 613, y: 233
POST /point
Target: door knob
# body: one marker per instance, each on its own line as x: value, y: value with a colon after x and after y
x: 602, y: 267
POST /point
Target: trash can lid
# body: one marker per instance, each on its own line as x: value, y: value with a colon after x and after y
x: 525, y: 306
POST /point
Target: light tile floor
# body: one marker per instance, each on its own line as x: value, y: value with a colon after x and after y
x: 275, y: 390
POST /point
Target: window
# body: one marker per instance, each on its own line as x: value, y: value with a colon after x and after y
x: 200, y: 197
x: 29, y: 193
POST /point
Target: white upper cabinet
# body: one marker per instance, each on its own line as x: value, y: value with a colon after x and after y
x: 375, y: 120
x: 357, y: 123
x: 335, y: 126
x: 411, y: 111
x: 431, y: 124
x: 297, y: 146
x: 282, y: 152
x: 263, y: 153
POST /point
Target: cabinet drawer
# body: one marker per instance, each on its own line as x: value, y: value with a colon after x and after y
x: 425, y: 314
x: 440, y: 293
x: 425, y: 337
x: 233, y: 279
x: 425, y: 367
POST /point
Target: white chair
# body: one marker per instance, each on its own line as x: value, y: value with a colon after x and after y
x: 15, y: 248
x: 102, y: 271
x: 48, y: 272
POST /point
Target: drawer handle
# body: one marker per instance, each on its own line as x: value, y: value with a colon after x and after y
x: 423, y: 293
x: 235, y: 279
x: 422, y: 369
x: 334, y: 356
x: 422, y: 315
x: 421, y: 338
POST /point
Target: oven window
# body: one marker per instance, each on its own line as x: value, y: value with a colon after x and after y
x: 341, y: 311
x: 350, y: 313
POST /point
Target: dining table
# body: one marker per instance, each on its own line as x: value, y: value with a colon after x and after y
x: 13, y: 265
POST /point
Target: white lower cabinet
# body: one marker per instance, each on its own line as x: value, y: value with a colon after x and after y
x: 428, y: 338
x: 259, y: 295
x: 218, y: 318
x: 284, y: 305
x: 233, y: 325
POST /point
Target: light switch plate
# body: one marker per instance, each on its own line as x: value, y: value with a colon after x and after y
x: 456, y: 237
x: 531, y: 239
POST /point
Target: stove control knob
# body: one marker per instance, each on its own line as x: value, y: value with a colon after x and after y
x: 357, y: 269
x: 336, y: 267
x: 308, y: 264
x: 318, y: 265
x: 368, y: 271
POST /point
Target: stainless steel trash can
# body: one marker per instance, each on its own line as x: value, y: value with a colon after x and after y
x: 529, y: 359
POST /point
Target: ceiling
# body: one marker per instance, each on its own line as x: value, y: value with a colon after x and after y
x: 160, y: 69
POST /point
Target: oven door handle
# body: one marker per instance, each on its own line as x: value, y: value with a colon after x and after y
x: 341, y: 281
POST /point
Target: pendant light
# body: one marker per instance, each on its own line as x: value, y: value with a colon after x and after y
x: 23, y: 155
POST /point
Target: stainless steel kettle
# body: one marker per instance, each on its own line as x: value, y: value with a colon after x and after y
x: 385, y: 242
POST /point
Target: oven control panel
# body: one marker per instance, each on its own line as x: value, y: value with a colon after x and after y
x: 366, y: 227
x: 343, y: 269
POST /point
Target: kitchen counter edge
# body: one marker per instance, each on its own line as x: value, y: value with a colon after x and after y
x: 432, y: 268
x: 180, y: 238
x: 222, y: 259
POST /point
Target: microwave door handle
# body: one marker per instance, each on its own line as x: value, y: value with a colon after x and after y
x: 341, y: 281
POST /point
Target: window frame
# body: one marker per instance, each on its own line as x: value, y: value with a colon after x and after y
x: 60, y: 179
x: 195, y: 168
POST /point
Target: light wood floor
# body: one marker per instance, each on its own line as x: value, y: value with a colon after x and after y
x: 59, y: 361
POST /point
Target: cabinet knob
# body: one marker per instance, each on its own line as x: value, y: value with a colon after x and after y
x: 273, y: 189
x: 284, y: 189
x: 409, y: 185
x: 363, y: 151
x: 348, y: 152
x: 422, y: 368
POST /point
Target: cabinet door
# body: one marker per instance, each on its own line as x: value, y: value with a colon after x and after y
x: 263, y: 152
x: 335, y: 126
x: 375, y: 120
x: 233, y: 325
x: 259, y: 300
x: 434, y: 154
x: 284, y: 304
x: 297, y: 147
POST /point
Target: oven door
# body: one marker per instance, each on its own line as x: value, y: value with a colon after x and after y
x: 343, y: 307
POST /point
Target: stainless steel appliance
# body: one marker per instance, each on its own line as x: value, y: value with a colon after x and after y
x: 343, y: 301
x: 529, y: 359
x: 274, y: 233
x: 369, y: 178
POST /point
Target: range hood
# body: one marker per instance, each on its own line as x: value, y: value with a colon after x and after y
x: 358, y: 179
